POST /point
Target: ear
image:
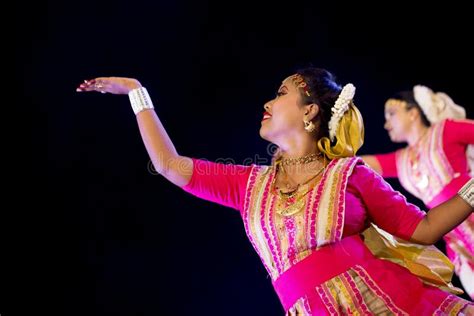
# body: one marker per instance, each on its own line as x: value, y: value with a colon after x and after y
x: 311, y: 111
x: 414, y: 114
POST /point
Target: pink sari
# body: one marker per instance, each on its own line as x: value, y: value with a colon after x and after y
x: 316, y: 258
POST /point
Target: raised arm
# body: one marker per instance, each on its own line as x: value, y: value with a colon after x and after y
x: 166, y: 160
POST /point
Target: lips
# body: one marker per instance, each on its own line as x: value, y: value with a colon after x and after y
x: 266, y: 115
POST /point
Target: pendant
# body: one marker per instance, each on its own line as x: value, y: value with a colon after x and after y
x: 422, y: 181
x: 293, y: 208
x: 419, y: 177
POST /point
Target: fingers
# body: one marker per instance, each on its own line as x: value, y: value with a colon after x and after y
x: 97, y: 84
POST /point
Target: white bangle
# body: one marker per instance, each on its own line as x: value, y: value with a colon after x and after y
x: 140, y: 100
x: 467, y: 192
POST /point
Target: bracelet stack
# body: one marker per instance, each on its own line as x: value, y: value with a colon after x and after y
x: 140, y: 100
x: 467, y: 192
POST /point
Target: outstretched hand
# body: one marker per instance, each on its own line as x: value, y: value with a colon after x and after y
x: 114, y: 85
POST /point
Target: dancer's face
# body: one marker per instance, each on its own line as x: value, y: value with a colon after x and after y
x: 398, y: 120
x: 283, y: 116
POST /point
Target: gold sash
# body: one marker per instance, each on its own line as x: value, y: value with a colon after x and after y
x: 428, y: 263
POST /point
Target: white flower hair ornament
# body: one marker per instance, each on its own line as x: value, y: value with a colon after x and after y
x: 340, y: 107
x: 437, y: 106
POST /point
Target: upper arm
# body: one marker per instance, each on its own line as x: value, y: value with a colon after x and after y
x: 386, y: 207
x: 179, y: 170
x: 459, y: 131
x: 224, y: 184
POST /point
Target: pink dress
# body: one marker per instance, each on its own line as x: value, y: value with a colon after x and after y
x: 439, y: 170
x: 316, y: 259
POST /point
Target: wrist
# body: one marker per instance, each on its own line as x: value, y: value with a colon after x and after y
x: 140, y: 99
x: 135, y: 84
x: 467, y: 192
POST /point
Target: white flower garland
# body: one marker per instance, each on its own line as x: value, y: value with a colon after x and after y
x: 424, y: 96
x: 437, y: 106
x: 340, y: 107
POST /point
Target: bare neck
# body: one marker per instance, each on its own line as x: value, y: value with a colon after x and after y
x: 299, y: 146
x: 416, y: 134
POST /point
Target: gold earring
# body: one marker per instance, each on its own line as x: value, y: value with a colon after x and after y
x: 309, y: 126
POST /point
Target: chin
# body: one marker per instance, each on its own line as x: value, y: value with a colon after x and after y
x: 262, y: 133
x: 395, y: 139
x: 392, y: 137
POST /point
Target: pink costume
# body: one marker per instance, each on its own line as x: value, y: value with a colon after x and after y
x: 316, y: 259
x: 440, y: 170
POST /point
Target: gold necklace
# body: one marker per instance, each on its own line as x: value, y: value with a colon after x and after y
x: 298, y: 185
x: 290, y: 203
x: 300, y: 160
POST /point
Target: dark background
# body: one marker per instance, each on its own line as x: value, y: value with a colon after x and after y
x: 98, y: 233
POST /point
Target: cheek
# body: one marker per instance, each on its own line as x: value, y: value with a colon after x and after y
x: 279, y: 122
x: 396, y: 120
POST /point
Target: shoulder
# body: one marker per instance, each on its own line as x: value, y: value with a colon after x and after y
x: 346, y: 163
x: 448, y: 123
x: 362, y: 169
x: 348, y: 167
x: 259, y: 171
x: 455, y: 128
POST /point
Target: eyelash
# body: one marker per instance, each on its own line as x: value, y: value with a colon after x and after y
x: 279, y: 93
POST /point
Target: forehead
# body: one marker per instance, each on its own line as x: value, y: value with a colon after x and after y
x: 395, y: 104
x: 294, y: 80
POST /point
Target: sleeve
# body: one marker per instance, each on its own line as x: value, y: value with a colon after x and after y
x: 459, y: 131
x: 220, y: 183
x: 385, y: 207
x: 388, y: 163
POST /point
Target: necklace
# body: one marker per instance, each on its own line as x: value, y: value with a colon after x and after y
x: 300, y: 160
x: 290, y: 190
x: 292, y: 202
x: 420, y: 178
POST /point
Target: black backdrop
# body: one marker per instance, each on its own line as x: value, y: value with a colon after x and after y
x: 105, y: 236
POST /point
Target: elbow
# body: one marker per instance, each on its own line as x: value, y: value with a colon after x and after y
x: 432, y: 240
x: 163, y: 171
x: 426, y: 240
x: 156, y: 168
x: 176, y: 170
x: 426, y: 233
x: 163, y: 165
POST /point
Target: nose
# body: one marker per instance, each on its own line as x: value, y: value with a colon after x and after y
x: 267, y: 106
x: 386, y: 125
